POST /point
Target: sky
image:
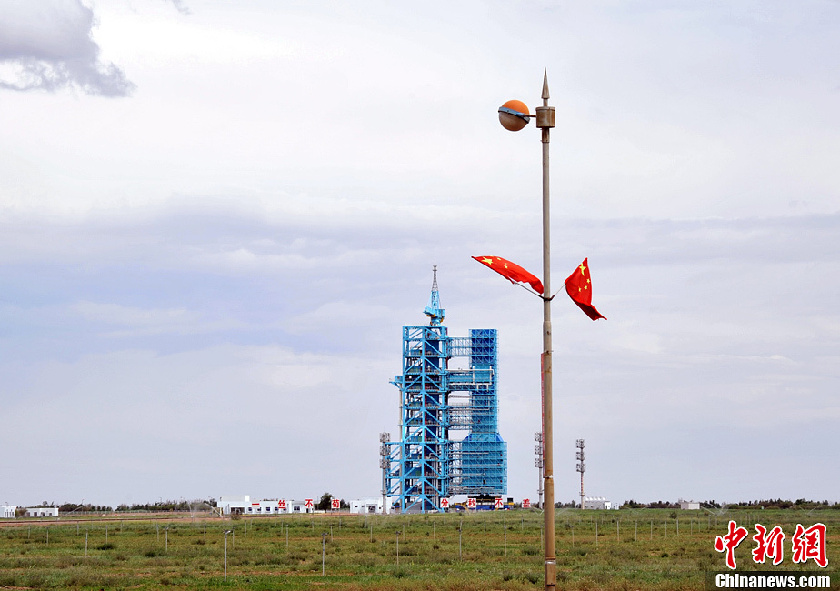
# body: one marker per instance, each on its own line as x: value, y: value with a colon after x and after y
x: 216, y: 217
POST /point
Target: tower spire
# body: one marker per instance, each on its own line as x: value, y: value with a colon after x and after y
x: 433, y: 309
x: 545, y: 96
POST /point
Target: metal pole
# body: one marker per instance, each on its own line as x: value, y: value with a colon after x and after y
x: 226, y: 535
x: 545, y: 121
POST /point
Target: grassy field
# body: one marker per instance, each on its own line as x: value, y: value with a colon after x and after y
x: 634, y: 549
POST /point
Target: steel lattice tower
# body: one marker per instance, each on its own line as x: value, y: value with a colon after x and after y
x: 427, y: 465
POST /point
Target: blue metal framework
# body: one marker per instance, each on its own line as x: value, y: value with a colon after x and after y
x: 427, y: 465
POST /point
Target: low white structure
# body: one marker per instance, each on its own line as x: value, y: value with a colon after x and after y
x: 596, y: 503
x: 689, y: 505
x: 8, y: 511
x: 242, y: 505
x: 234, y: 504
x: 298, y: 507
x: 42, y: 511
x: 267, y: 508
x: 367, y: 506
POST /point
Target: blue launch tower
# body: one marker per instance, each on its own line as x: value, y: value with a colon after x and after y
x: 427, y: 464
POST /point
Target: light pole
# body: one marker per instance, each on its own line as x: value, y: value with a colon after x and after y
x: 385, y: 464
x: 581, y: 457
x: 538, y: 463
x: 513, y: 118
x: 226, y: 535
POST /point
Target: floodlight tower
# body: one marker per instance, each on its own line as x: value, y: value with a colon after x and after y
x: 385, y: 464
x: 538, y: 463
x: 581, y: 467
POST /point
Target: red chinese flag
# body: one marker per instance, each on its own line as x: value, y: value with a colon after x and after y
x: 512, y: 272
x: 579, y: 288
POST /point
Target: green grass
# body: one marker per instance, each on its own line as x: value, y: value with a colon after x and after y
x: 498, y: 550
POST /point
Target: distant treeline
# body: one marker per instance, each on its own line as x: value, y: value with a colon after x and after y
x: 87, y: 508
x: 324, y: 503
x: 784, y: 504
x: 160, y: 506
x: 767, y: 504
x: 182, y: 505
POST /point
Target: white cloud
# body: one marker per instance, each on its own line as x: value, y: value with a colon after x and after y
x: 131, y: 321
x: 132, y: 316
x: 198, y: 409
x: 181, y: 6
x: 48, y: 45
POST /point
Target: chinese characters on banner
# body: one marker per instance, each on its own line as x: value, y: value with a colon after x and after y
x: 444, y: 503
x: 806, y: 543
x: 281, y: 504
x: 768, y: 546
x: 526, y: 503
x: 336, y: 503
x: 810, y: 543
x: 470, y: 503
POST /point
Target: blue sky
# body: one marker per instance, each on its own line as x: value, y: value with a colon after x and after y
x: 215, y: 220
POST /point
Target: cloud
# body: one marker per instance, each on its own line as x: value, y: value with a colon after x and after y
x: 132, y: 321
x: 48, y: 46
x: 195, y: 411
x: 234, y: 326
x: 181, y: 6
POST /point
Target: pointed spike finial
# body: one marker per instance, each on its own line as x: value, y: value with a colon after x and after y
x: 545, y: 95
x: 434, y: 310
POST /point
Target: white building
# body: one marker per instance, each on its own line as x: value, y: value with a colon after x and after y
x: 267, y: 508
x: 298, y: 507
x: 242, y: 505
x: 234, y: 504
x: 689, y: 505
x: 596, y: 503
x: 369, y: 506
x: 42, y: 511
x: 8, y: 511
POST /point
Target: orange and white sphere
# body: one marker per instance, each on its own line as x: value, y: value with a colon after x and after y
x: 514, y: 115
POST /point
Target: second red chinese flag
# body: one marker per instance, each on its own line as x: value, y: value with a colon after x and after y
x: 579, y: 288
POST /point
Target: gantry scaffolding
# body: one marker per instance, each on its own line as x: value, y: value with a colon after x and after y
x: 427, y: 464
